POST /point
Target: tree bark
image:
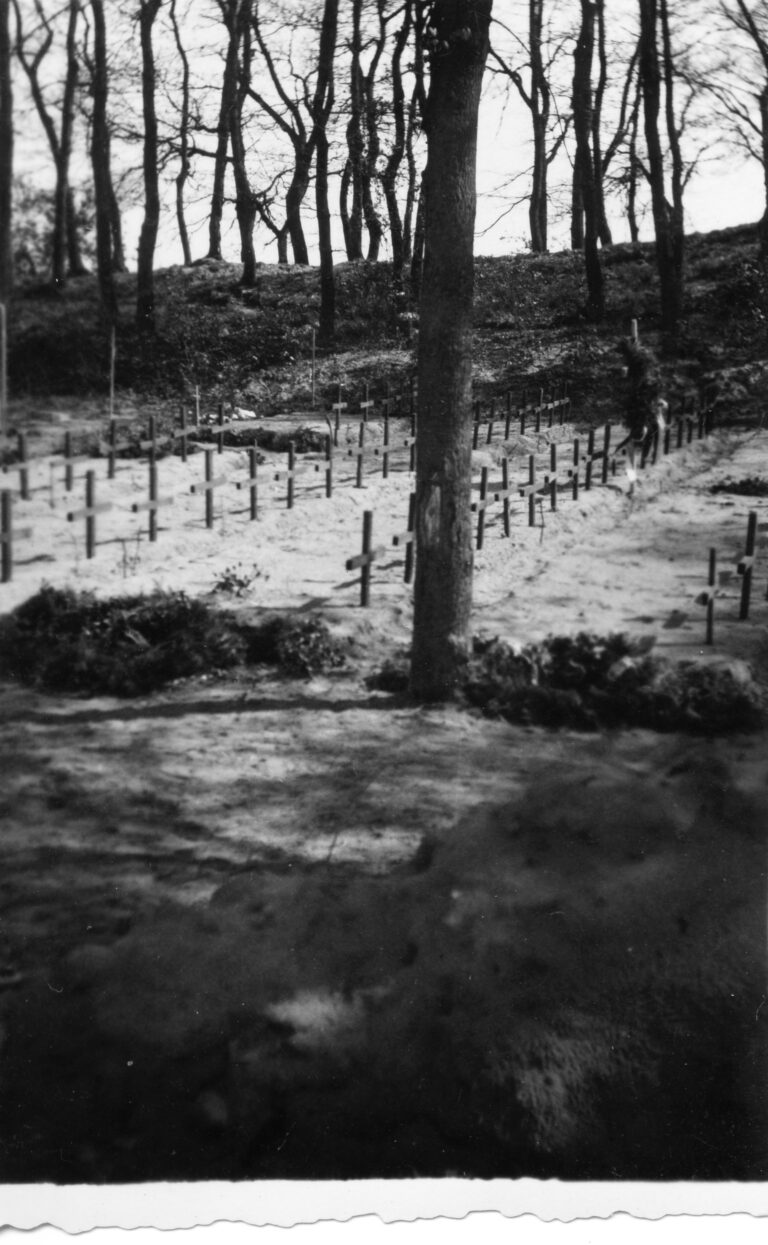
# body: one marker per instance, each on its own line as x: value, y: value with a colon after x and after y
x: 586, y: 158
x: 443, y: 584
x: 6, y: 154
x: 226, y: 104
x: 394, y: 160
x: 102, y: 182
x: 185, y: 164
x: 145, y: 284
x: 671, y: 289
x: 603, y: 228
x: 245, y: 199
x: 322, y: 106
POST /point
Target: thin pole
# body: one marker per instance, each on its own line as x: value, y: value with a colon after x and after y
x: 112, y: 357
x: 3, y: 370
x: 313, y: 368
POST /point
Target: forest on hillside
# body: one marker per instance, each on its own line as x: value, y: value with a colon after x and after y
x: 300, y: 129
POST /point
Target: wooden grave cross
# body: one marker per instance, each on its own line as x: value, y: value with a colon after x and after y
x: 327, y: 466
x: 408, y: 538
x: 366, y: 558
x: 8, y: 535
x: 289, y: 474
x: 336, y: 410
x: 113, y: 445
x: 208, y: 486
x: 367, y: 405
x: 252, y: 483
x: 707, y: 597
x: 89, y: 512
x: 746, y: 564
x: 153, y: 502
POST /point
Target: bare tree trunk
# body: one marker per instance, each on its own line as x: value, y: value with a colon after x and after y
x: 603, y: 228
x: 577, y: 204
x: 185, y: 165
x: 245, y: 198
x: 293, y: 200
x: 75, y: 264
x: 586, y: 162
x: 322, y: 106
x: 540, y: 108
x: 102, y: 182
x: 671, y: 290
x: 227, y: 103
x: 417, y: 259
x: 353, y: 171
x: 145, y: 285
x: 60, y: 143
x: 443, y: 585
x: 116, y: 225
x: 6, y: 153
x: 395, y: 159
x: 677, y: 217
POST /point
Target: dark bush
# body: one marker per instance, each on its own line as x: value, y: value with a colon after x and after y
x: 300, y: 646
x: 64, y: 640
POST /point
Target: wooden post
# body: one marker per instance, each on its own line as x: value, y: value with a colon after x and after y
x: 208, y: 486
x: 505, y: 490
x: 112, y: 359
x: 153, y: 502
x: 197, y: 406
x: 590, y: 459
x: 220, y: 424
x: 476, y: 426
x: 366, y: 558
x: 745, y: 566
x: 23, y: 467
x: 291, y: 473
x: 508, y: 420
x: 576, y: 469
x: 252, y: 483
x: 385, y: 449
x: 409, y: 548
x: 337, y: 408
x: 532, y: 494
x: 328, y: 467
x: 367, y: 404
x: 7, y: 535
x: 360, y: 451
x: 68, y: 462
x: 710, y: 637
x: 491, y: 422
x: 183, y: 432
x: 408, y: 538
x: 606, y: 452
x: 112, y: 450
x: 633, y: 330
x: 89, y: 513
x: 482, y: 506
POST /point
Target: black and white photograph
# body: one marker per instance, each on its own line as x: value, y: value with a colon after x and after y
x: 383, y: 605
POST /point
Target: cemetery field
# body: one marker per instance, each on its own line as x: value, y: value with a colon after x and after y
x: 257, y: 926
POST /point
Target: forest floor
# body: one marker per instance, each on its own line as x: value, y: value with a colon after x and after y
x: 258, y: 927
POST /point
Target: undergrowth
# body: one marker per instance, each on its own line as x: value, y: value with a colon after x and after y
x: 588, y: 682
x: 61, y: 640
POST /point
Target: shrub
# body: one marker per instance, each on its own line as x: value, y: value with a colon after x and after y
x: 301, y: 646
x: 64, y: 640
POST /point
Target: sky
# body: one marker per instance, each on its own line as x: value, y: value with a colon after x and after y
x: 726, y: 189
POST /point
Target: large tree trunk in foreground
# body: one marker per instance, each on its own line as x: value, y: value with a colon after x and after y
x: 443, y: 586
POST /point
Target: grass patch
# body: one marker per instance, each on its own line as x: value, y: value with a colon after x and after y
x: 66, y: 641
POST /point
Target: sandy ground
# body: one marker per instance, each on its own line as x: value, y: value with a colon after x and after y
x: 140, y: 837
